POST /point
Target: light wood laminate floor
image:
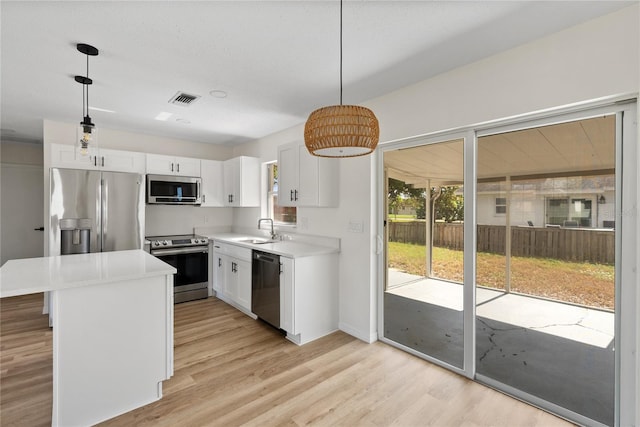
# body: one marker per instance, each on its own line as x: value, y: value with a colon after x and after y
x: 232, y: 370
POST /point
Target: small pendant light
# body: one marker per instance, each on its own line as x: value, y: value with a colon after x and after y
x: 341, y: 130
x: 87, y: 134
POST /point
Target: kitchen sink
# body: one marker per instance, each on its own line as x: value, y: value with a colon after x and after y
x: 257, y: 241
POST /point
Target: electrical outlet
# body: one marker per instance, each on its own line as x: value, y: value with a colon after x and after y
x: 304, y: 222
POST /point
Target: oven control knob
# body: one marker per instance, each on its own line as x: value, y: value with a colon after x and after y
x: 165, y: 243
x: 156, y: 243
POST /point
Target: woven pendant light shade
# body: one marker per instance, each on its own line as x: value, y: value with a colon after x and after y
x: 341, y: 131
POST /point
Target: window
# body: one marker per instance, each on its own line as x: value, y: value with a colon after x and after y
x: 280, y: 214
x: 501, y: 205
x: 569, y: 213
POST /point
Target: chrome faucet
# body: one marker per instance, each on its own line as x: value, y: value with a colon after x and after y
x: 273, y: 234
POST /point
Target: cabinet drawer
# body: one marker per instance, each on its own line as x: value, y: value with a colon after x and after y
x: 233, y: 251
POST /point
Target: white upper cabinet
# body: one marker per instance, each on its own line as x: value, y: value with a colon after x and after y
x: 64, y: 156
x: 306, y: 180
x: 170, y: 165
x: 212, y: 183
x: 122, y: 161
x: 242, y: 182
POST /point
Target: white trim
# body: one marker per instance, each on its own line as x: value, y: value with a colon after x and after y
x: 368, y: 337
x: 626, y: 269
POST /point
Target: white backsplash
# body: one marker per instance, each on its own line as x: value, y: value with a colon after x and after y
x: 166, y: 219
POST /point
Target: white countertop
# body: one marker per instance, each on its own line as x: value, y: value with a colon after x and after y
x: 286, y: 248
x: 33, y: 275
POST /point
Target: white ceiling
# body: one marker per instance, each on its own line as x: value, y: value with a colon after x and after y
x: 277, y: 60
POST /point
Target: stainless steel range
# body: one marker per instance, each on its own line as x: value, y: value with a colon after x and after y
x: 189, y: 254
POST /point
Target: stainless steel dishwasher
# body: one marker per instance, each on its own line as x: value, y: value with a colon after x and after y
x: 265, y: 287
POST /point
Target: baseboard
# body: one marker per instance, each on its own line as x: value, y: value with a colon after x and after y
x: 367, y: 337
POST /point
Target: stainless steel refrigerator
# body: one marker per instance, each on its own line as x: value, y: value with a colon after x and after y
x: 112, y: 201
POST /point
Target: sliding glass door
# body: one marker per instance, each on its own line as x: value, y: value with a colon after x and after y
x: 545, y: 297
x: 508, y: 258
x: 423, y: 299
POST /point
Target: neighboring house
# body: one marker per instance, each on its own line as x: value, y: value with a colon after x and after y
x: 586, y: 202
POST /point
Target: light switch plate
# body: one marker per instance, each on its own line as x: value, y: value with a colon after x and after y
x: 356, y: 226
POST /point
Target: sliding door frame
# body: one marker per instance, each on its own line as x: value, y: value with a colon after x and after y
x: 624, y: 107
x: 468, y: 329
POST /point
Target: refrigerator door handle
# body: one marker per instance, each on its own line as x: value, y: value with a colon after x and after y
x: 104, y: 220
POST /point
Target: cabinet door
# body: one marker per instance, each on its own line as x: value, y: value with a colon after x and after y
x: 64, y: 156
x: 287, y: 174
x: 244, y: 283
x: 231, y: 171
x: 308, y: 177
x: 186, y: 166
x: 249, y: 182
x: 287, y: 296
x: 158, y: 164
x: 218, y: 268
x: 212, y: 183
x: 121, y: 161
x: 230, y: 284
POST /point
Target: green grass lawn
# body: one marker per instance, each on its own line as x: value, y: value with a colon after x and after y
x: 576, y: 282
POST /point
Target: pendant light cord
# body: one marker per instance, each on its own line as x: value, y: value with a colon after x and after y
x: 340, y: 52
x: 83, y: 98
x: 87, y: 86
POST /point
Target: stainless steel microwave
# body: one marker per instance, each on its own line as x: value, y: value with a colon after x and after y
x: 173, y: 190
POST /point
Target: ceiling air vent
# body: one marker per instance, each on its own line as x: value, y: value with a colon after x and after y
x: 183, y: 99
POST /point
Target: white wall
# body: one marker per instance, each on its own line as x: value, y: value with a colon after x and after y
x: 593, y: 60
x: 596, y: 59
x: 159, y: 220
x: 21, y: 199
x: 164, y: 219
x: 20, y: 153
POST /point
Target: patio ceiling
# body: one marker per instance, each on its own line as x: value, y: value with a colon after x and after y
x: 584, y: 147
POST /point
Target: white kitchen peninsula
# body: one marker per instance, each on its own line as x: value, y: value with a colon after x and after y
x: 113, y: 329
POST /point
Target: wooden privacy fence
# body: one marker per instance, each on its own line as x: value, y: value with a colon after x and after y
x: 570, y: 244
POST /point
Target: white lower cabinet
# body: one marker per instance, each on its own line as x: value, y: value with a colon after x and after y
x: 309, y: 297
x: 308, y: 289
x: 232, y: 275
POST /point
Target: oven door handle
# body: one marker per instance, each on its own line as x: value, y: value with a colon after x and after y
x: 178, y: 251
